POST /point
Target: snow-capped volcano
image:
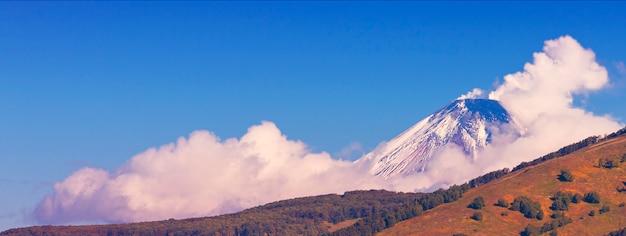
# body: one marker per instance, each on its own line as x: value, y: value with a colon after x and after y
x: 468, y: 123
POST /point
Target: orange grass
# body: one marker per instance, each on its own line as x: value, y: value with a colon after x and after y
x: 538, y: 183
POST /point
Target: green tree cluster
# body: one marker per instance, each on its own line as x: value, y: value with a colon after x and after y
x: 528, y: 207
x: 559, y: 220
x: 561, y: 200
x: 608, y: 163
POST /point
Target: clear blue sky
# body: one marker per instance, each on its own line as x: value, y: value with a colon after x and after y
x: 93, y: 83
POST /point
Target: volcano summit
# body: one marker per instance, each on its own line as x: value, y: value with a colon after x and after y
x: 467, y: 123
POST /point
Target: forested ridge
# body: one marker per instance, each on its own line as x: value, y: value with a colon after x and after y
x: 571, y: 148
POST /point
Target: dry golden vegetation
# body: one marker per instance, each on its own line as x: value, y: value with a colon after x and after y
x: 539, y: 183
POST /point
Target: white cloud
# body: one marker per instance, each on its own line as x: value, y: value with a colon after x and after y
x: 541, y: 96
x: 199, y: 176
x: 475, y: 93
x: 563, y: 68
x: 202, y: 175
x: 354, y: 150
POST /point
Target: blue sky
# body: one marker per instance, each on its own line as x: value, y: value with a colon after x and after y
x: 94, y: 83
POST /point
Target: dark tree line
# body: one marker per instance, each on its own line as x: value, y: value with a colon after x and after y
x: 561, y: 152
x: 570, y: 148
x: 378, y: 222
x: 616, y: 134
x: 488, y: 177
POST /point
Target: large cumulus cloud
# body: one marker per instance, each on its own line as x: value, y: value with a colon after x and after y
x: 541, y: 99
x: 200, y: 175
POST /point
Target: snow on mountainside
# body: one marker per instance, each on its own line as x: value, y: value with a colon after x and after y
x: 467, y: 123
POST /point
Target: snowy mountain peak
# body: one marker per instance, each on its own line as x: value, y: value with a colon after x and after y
x: 467, y: 123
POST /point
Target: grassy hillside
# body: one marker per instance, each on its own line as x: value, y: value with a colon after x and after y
x: 539, y: 183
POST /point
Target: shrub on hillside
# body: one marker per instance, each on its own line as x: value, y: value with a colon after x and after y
x: 559, y: 220
x: 577, y: 198
x: 592, y: 197
x: 608, y: 163
x: 528, y: 207
x: 477, y: 216
x: 620, y: 232
x: 557, y: 214
x: 605, y: 209
x: 477, y: 203
x: 531, y: 230
x: 566, y: 176
x: 502, y: 203
x: 561, y: 201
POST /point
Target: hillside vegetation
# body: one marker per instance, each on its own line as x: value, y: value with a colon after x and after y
x: 579, y: 188
x: 582, y: 193
x: 301, y: 216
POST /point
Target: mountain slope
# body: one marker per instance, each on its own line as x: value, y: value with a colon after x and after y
x: 468, y: 123
x: 539, y: 183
